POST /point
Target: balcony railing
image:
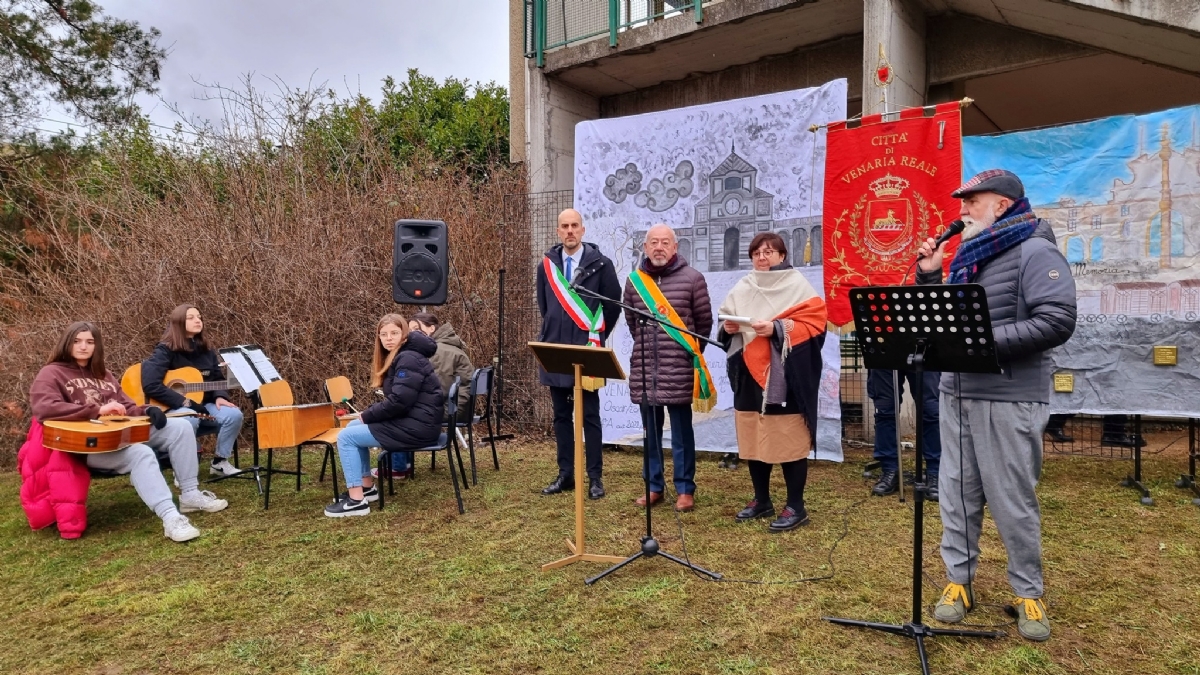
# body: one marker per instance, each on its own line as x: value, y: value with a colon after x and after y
x: 555, y: 23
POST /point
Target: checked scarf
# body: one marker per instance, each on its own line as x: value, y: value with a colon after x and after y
x: 1015, y: 226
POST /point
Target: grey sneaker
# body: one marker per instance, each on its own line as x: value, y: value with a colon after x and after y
x: 178, y: 528
x: 198, y: 500
x: 1032, y: 622
x: 956, y: 601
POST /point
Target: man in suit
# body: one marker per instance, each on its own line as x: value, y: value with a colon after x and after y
x: 573, y: 318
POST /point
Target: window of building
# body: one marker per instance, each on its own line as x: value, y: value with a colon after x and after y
x: 1095, y: 222
x: 1124, y: 209
x: 733, y: 183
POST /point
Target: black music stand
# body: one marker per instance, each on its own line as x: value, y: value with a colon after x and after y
x: 942, y: 327
x: 578, y: 361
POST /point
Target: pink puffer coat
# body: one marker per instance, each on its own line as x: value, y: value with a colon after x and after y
x: 54, y: 486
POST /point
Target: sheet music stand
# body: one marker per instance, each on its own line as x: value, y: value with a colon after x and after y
x: 252, y: 369
x: 942, y: 327
x: 578, y: 361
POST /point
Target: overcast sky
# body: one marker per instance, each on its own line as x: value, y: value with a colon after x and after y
x: 350, y: 46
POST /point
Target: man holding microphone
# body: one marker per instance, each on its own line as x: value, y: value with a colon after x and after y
x: 991, y: 424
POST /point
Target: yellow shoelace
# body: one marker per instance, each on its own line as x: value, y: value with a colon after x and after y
x: 1033, y: 608
x: 953, y: 592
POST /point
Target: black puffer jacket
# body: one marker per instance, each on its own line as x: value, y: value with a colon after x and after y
x: 1031, y: 301
x: 410, y: 415
x: 154, y: 370
x: 671, y: 383
x: 597, y: 274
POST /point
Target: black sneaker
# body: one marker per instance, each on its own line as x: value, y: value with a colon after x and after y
x: 346, y: 507
x: 888, y: 484
x: 370, y: 494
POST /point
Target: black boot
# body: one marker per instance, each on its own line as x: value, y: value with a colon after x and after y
x: 888, y: 483
x: 931, y: 486
x: 595, y: 489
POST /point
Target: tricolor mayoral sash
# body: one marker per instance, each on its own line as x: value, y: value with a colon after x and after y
x: 592, y: 322
x: 704, y: 394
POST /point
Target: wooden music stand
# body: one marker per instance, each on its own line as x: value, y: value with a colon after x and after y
x: 578, y: 361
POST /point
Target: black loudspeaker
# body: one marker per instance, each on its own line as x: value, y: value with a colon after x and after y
x: 420, y: 262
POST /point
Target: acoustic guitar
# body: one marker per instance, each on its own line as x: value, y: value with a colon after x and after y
x: 186, y: 381
x: 106, y: 434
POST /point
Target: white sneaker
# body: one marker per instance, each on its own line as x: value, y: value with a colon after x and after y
x: 179, y: 528
x: 223, y: 468
x: 198, y: 500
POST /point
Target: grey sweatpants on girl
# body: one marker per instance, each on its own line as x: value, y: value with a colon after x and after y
x: 992, y: 454
x: 138, y: 460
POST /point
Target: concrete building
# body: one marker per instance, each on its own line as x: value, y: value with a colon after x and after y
x: 1026, y: 63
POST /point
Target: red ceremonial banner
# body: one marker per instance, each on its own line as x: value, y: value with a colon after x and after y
x: 887, y: 189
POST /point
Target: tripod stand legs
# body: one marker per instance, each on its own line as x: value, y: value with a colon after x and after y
x: 914, y: 631
x: 649, y: 550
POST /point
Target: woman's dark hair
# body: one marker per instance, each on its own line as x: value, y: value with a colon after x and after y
x: 763, y: 238
x: 62, y: 351
x: 175, y: 336
x: 427, y: 319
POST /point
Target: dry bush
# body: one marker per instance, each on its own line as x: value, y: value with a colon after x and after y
x: 289, y: 247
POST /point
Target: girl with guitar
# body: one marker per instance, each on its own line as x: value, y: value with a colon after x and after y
x: 409, y: 416
x: 182, y: 346
x: 74, y: 385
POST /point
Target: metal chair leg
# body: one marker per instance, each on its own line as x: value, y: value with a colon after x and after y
x: 471, y: 447
x: 332, y: 471
x: 454, y: 477
x: 458, y: 452
x: 378, y: 477
x: 297, y: 468
x: 492, y: 440
x: 267, y: 494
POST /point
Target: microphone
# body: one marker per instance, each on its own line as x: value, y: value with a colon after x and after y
x: 952, y: 230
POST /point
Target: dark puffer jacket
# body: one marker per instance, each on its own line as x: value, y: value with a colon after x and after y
x: 154, y: 371
x: 1031, y: 300
x: 671, y: 383
x: 410, y: 415
x: 596, y: 273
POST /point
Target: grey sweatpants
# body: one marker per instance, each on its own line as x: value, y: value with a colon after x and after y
x: 992, y: 454
x: 140, y: 462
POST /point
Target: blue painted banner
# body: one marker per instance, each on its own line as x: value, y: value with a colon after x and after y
x: 1123, y: 195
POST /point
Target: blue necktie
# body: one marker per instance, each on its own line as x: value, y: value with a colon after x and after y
x: 569, y: 261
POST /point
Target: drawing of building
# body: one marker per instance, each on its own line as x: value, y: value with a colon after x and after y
x: 734, y: 212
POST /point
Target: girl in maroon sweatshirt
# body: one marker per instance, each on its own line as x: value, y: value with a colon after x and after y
x: 74, y: 385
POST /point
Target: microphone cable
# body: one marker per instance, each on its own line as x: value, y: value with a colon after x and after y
x: 785, y: 582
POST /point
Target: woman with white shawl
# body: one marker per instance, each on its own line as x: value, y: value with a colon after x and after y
x: 774, y: 365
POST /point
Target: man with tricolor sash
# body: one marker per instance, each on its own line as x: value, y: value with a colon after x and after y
x: 667, y: 367
x: 573, y: 318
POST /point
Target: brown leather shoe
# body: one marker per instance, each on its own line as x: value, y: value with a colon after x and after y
x: 685, y: 503
x: 655, y: 499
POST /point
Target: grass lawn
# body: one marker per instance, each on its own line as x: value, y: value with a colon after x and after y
x: 420, y: 589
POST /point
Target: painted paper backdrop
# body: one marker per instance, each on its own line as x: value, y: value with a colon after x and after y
x: 719, y: 174
x: 1123, y: 194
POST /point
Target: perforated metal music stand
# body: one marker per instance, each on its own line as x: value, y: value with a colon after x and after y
x: 937, y: 327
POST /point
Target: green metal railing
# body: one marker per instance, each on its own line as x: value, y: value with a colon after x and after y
x: 550, y: 24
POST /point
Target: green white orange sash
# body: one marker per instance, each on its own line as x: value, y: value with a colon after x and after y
x: 704, y: 396
x: 573, y: 305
